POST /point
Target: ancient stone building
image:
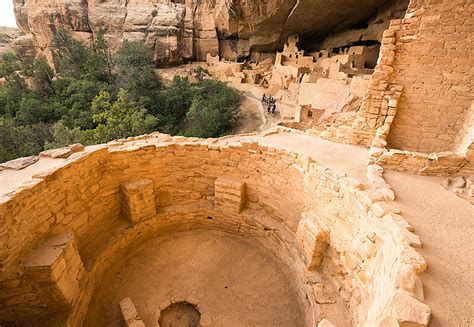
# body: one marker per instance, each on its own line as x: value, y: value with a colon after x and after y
x: 361, y: 215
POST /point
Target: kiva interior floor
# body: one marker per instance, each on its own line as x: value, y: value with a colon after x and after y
x: 232, y: 280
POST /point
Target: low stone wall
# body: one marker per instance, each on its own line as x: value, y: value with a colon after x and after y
x: 307, y: 215
x: 434, y: 164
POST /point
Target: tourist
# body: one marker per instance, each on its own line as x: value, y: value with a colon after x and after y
x: 274, y: 107
x: 264, y: 99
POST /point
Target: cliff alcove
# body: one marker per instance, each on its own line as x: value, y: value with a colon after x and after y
x: 317, y: 223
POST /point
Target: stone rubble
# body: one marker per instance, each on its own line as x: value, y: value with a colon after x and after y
x: 20, y: 163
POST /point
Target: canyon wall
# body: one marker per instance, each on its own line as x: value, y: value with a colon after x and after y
x: 7, y: 36
x: 189, y: 29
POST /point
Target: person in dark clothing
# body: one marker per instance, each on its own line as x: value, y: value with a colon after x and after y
x: 274, y: 107
x: 264, y: 99
x: 270, y: 101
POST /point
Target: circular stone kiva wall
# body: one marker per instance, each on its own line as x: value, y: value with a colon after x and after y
x: 92, y: 222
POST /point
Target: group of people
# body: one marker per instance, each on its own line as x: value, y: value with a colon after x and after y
x: 269, y: 102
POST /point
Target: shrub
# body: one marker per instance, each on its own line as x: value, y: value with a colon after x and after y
x: 120, y: 119
x: 214, y: 110
x: 18, y: 141
x: 94, y: 98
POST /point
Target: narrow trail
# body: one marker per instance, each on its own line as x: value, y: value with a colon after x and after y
x: 445, y: 224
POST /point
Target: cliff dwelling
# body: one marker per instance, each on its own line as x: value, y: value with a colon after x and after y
x: 351, y: 204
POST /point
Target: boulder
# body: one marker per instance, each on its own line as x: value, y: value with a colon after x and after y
x: 408, y: 311
x: 19, y: 163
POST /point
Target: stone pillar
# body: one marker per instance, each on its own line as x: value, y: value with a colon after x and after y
x: 313, y: 239
x: 229, y: 195
x: 55, y: 269
x: 138, y: 200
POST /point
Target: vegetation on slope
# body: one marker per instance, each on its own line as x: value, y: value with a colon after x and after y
x: 92, y: 97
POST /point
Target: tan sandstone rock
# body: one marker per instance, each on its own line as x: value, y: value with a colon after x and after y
x: 408, y: 311
x: 178, y: 30
x: 7, y: 38
x: 326, y: 323
x: 19, y: 163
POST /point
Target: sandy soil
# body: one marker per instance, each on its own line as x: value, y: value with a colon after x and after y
x: 445, y: 224
x: 233, y: 281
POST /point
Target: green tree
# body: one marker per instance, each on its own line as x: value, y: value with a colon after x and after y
x: 172, y: 105
x: 135, y: 71
x: 74, y: 98
x: 73, y: 59
x: 10, y: 97
x: 43, y: 78
x: 214, y: 110
x: 11, y: 69
x: 93, y: 98
x: 102, y: 58
x: 63, y: 136
x: 19, y: 141
x: 10, y: 66
x: 120, y: 119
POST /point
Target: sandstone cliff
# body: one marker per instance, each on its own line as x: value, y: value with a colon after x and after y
x: 7, y: 36
x: 180, y: 30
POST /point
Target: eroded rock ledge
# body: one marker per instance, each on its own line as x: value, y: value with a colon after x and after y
x: 180, y: 30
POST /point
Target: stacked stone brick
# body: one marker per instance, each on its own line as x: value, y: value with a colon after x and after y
x: 360, y: 243
x: 417, y: 113
x: 379, y: 106
x: 138, y: 201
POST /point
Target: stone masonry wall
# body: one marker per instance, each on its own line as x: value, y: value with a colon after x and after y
x: 427, y: 55
x: 368, y: 257
x: 433, y: 65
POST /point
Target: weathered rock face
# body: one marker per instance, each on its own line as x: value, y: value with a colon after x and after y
x: 189, y: 29
x: 7, y: 36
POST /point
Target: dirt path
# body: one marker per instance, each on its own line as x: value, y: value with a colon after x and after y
x: 445, y: 224
x: 344, y: 158
x: 267, y: 120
